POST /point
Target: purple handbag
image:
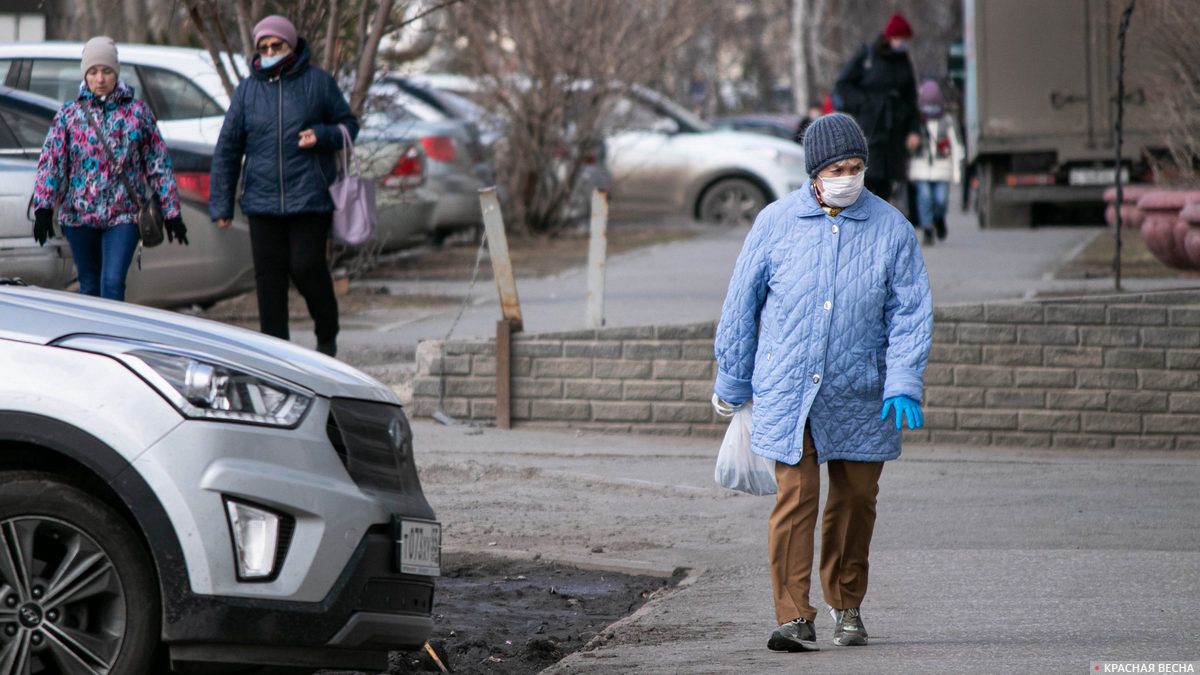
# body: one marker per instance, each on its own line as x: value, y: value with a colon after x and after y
x: 354, y: 217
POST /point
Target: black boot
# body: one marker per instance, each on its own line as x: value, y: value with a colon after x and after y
x: 928, y: 235
x: 328, y: 348
x: 939, y: 224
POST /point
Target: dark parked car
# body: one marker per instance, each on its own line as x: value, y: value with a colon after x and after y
x: 455, y: 164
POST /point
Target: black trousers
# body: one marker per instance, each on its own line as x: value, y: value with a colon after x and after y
x: 293, y: 247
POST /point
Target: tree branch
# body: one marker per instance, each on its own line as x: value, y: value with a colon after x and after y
x: 366, y: 63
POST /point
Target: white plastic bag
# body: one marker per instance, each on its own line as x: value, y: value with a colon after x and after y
x: 738, y: 468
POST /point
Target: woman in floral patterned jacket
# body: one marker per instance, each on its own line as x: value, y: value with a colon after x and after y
x: 97, y: 214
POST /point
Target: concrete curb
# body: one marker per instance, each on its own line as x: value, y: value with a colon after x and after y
x: 615, y: 565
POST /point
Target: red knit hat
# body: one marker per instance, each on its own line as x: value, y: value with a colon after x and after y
x: 897, y: 27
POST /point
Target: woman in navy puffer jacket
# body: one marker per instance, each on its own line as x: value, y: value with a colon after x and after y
x: 284, y: 120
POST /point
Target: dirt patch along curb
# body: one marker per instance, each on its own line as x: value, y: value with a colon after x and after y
x: 494, y: 614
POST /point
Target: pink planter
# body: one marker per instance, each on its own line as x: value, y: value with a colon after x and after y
x: 1161, y: 218
x: 1131, y: 215
x: 1187, y: 233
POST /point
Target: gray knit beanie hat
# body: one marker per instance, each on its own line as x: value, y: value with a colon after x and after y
x: 99, y: 51
x: 832, y: 138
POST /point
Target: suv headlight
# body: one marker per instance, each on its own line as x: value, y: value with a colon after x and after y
x: 209, y: 390
x: 202, y: 387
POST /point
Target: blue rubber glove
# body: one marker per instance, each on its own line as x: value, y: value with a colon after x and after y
x: 905, y: 408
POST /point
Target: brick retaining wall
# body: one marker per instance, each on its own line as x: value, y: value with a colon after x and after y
x: 647, y: 379
x: 1097, y: 372
x: 1093, y: 372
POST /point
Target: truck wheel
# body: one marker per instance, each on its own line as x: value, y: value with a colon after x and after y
x: 731, y: 201
x: 77, y: 593
x: 996, y: 214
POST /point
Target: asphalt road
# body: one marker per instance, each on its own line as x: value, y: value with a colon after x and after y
x: 984, y: 560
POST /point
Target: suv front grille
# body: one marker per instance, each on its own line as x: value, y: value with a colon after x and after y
x: 374, y: 442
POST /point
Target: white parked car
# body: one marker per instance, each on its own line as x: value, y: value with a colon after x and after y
x: 180, y: 84
x: 663, y: 159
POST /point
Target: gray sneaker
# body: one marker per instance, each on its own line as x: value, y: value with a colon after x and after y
x: 848, y: 630
x: 797, y: 635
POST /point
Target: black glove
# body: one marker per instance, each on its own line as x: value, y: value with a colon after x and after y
x: 43, y: 225
x: 176, y: 230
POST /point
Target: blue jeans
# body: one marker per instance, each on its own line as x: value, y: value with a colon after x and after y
x: 102, y: 257
x: 931, y: 201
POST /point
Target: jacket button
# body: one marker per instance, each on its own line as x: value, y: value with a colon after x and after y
x: 816, y: 379
x: 835, y: 229
x: 828, y: 305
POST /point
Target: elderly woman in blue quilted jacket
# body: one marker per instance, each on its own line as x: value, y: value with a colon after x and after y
x: 283, y: 120
x: 827, y: 327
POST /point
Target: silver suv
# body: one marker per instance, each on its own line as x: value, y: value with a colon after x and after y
x: 173, y: 489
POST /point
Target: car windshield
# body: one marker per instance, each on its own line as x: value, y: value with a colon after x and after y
x: 665, y: 106
x: 388, y: 101
x: 461, y: 107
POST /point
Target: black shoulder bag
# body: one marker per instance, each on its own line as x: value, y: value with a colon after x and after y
x: 150, y: 215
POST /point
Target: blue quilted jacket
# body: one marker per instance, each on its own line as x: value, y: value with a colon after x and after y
x: 824, y: 318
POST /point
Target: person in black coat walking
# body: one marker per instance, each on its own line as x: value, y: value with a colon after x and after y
x: 879, y: 89
x: 284, y: 121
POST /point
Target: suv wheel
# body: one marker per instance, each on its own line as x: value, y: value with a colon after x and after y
x: 77, y: 593
x: 731, y: 201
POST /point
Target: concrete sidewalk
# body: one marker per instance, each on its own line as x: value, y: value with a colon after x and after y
x: 685, y: 281
x: 983, y: 560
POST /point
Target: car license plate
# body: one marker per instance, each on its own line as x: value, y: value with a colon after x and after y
x: 1096, y: 176
x: 418, y: 546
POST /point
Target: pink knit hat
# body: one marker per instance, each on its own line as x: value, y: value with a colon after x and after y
x: 277, y: 26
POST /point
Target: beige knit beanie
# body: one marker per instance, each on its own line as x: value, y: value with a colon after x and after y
x: 99, y: 51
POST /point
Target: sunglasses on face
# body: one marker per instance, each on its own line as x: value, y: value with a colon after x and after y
x: 271, y: 47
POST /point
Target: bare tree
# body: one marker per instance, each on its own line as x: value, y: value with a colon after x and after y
x: 800, y: 51
x: 329, y: 59
x: 245, y: 22
x: 550, y: 68
x: 206, y: 26
x: 366, y: 65
x: 1168, y: 64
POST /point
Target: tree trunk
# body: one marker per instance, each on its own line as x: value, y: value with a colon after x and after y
x: 159, y: 17
x: 198, y: 26
x: 245, y: 28
x: 821, y: 74
x: 226, y: 46
x: 366, y: 63
x: 135, y: 21
x: 331, y: 37
x: 799, y: 44
x: 364, y: 11
x: 95, y: 25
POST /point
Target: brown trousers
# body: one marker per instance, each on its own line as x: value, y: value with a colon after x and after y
x: 845, y: 532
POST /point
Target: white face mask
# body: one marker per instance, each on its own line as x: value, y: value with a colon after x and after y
x: 843, y: 190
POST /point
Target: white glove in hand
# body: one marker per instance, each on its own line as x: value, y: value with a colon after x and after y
x: 725, y: 408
